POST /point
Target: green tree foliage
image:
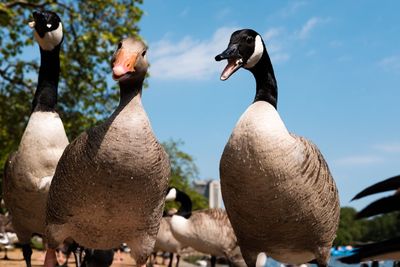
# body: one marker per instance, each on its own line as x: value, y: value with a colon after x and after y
x: 183, y: 171
x: 352, y: 231
x: 92, y: 30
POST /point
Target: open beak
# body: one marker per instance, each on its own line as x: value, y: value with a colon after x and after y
x: 124, y: 63
x: 235, y: 61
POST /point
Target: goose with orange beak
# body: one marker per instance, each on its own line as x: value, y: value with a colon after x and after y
x: 116, y: 173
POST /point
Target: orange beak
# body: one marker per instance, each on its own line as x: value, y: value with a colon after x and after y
x: 124, y: 63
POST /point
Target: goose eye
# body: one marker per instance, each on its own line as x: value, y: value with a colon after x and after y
x: 48, y: 26
x: 144, y: 53
x: 119, y: 45
x: 249, y: 39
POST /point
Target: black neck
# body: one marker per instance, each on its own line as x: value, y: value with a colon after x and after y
x: 45, y: 98
x: 266, y: 87
x: 186, y: 204
x: 129, y: 89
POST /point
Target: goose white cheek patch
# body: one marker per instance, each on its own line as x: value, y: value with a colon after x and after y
x: 257, y: 54
x: 50, y: 39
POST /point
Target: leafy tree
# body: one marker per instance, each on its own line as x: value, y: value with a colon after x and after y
x: 352, y: 231
x: 183, y: 171
x: 92, y: 30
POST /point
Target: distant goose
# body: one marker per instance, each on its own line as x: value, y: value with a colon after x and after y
x: 208, y: 231
x: 110, y: 183
x: 8, y: 238
x: 165, y: 240
x: 29, y: 170
x: 382, y: 205
x: 279, y: 194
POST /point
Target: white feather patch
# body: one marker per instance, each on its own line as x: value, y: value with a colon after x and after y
x: 171, y: 195
x: 261, y: 259
x: 50, y: 39
x: 45, y: 183
x: 180, y: 225
x: 257, y: 54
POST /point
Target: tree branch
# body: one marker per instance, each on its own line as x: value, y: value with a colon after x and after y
x: 13, y: 80
x: 26, y: 3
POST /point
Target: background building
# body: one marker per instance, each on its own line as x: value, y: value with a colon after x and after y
x: 211, y: 189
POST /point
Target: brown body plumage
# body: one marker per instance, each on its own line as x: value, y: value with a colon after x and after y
x: 277, y: 189
x: 110, y: 184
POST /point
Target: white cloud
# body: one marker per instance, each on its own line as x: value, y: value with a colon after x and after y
x: 359, y: 160
x: 389, y: 147
x: 273, y: 41
x: 184, y: 12
x: 188, y: 58
x: 194, y: 59
x: 272, y: 33
x: 292, y: 8
x: 305, y: 31
x: 224, y: 13
x: 335, y: 43
x: 390, y: 63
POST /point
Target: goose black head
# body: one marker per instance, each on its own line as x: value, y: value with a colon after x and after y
x: 174, y: 194
x: 48, y: 29
x: 129, y: 61
x: 245, y: 49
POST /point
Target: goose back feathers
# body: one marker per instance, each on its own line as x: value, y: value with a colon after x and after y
x: 279, y: 194
x: 110, y: 183
x: 208, y: 231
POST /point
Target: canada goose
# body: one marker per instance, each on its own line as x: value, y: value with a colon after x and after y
x: 382, y: 205
x: 208, y: 231
x: 7, y: 234
x: 110, y: 183
x: 165, y: 240
x: 29, y: 170
x: 384, y: 250
x: 278, y: 192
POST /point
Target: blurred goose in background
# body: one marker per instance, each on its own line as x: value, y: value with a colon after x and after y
x: 8, y: 237
x: 110, y: 183
x: 384, y: 250
x: 165, y: 240
x: 29, y: 170
x: 277, y: 188
x: 208, y: 231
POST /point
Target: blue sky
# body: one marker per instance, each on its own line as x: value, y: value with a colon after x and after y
x: 337, y: 65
